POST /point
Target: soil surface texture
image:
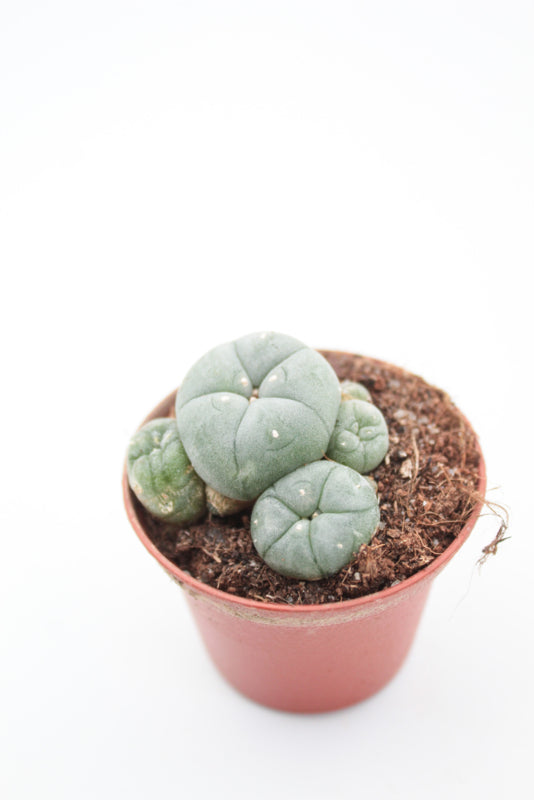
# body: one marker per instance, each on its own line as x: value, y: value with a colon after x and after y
x: 427, y: 487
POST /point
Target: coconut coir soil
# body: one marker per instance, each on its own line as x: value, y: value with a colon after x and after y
x: 427, y: 487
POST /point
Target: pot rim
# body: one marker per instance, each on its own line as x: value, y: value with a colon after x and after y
x: 318, y: 608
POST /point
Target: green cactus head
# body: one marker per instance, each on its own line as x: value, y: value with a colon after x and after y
x: 360, y: 439
x: 350, y: 390
x: 161, y: 476
x: 312, y: 522
x: 253, y: 410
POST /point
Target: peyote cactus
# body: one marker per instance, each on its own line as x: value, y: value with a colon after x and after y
x: 161, y: 476
x: 350, y: 390
x: 360, y: 438
x: 255, y: 419
x: 314, y: 520
x: 253, y: 410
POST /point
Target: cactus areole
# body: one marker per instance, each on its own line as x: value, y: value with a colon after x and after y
x: 264, y: 420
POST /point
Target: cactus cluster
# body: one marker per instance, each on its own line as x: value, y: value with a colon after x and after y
x: 264, y: 420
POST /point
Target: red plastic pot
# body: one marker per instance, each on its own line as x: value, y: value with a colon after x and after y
x: 307, y: 658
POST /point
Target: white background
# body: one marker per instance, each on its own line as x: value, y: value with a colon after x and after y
x: 177, y: 174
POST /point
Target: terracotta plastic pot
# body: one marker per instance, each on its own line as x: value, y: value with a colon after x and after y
x: 306, y: 658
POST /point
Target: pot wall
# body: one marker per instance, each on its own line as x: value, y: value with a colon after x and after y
x: 310, y: 662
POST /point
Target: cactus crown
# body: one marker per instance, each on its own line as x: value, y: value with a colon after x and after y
x: 254, y: 420
x: 253, y: 410
x: 161, y: 475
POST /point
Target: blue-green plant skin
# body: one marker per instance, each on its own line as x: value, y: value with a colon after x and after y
x: 161, y: 475
x: 253, y: 410
x: 360, y: 438
x: 312, y: 522
x: 350, y: 390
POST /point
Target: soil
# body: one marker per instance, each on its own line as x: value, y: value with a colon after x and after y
x: 427, y: 487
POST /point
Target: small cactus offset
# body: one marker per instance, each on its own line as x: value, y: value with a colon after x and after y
x: 350, y: 390
x: 161, y: 475
x: 360, y: 439
x: 223, y: 506
x: 263, y: 421
x: 313, y: 521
